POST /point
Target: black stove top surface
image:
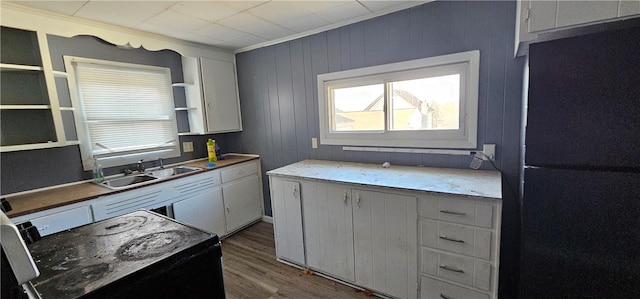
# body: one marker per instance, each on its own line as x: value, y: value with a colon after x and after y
x: 84, y: 259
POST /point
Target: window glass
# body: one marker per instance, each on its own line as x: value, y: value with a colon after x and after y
x: 358, y: 108
x: 426, y: 104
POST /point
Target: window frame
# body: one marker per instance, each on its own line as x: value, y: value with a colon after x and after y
x: 129, y: 157
x: 467, y: 64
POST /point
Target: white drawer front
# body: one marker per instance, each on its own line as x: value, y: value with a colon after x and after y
x: 237, y: 171
x: 459, y: 269
x: 434, y: 289
x: 457, y: 209
x: 63, y: 220
x: 456, y: 238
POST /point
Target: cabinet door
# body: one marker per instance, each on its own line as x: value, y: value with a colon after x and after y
x: 385, y: 242
x: 242, y: 202
x: 204, y: 211
x: 328, y: 228
x: 222, y: 107
x: 287, y: 220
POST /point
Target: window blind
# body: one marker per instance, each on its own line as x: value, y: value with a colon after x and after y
x: 127, y: 110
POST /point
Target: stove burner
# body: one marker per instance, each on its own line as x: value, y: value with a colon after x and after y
x: 79, y: 278
x: 151, y: 245
x: 122, y: 224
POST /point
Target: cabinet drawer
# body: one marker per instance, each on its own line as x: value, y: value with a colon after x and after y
x: 457, y: 209
x: 455, y: 268
x: 58, y: 222
x: 435, y: 289
x: 238, y: 171
x: 456, y: 238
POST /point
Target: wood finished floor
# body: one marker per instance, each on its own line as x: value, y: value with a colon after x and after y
x: 252, y: 271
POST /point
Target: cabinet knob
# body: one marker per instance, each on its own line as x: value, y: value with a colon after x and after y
x: 295, y: 192
x: 345, y: 198
x: 228, y: 210
x: 358, y: 199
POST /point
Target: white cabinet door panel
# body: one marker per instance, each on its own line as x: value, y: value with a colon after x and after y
x: 328, y: 228
x: 383, y: 242
x: 242, y: 202
x: 287, y: 218
x: 222, y: 107
x: 582, y: 12
x: 204, y: 211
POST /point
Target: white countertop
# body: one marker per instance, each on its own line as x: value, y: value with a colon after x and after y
x: 484, y: 183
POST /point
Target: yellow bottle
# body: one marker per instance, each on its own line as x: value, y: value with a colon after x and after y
x: 211, y: 150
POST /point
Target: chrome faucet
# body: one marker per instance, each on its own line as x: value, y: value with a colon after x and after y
x: 161, y: 163
x: 140, y: 166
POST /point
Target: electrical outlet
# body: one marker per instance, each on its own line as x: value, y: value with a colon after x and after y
x: 187, y: 147
x: 314, y: 142
x: 490, y: 151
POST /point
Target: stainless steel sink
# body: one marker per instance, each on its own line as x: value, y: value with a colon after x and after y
x: 127, y: 181
x: 168, y: 172
x: 158, y: 174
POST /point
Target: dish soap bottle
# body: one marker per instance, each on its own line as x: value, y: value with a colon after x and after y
x: 98, y: 175
x: 211, y: 150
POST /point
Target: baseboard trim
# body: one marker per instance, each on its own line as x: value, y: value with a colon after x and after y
x: 267, y: 219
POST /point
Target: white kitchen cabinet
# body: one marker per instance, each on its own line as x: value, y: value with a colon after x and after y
x: 535, y: 17
x: 384, y: 226
x: 213, y: 105
x: 149, y: 197
x: 328, y: 229
x: 386, y: 229
x: 204, y: 211
x: 222, y: 105
x: 62, y: 220
x: 459, y: 243
x: 241, y: 191
x: 288, y: 230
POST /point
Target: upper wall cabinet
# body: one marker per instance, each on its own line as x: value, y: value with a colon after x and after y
x: 211, y: 89
x: 537, y: 17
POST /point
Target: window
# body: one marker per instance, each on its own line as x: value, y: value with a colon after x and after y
x: 127, y: 111
x: 424, y: 103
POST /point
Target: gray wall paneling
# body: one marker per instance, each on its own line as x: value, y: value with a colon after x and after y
x: 278, y: 83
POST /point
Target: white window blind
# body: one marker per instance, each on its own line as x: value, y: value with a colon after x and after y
x: 127, y: 111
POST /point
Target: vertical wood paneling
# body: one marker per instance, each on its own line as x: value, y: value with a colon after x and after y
x: 285, y: 104
x: 303, y: 142
x: 319, y: 65
x: 376, y: 41
x: 275, y: 138
x: 309, y: 82
x: 280, y: 104
x: 356, y: 45
x: 399, y: 36
x: 437, y: 28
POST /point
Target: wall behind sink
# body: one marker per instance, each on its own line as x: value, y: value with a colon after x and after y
x: 33, y: 169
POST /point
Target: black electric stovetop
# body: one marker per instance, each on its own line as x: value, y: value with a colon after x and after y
x: 106, y: 257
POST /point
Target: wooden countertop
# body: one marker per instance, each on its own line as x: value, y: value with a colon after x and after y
x: 56, y: 197
x: 484, y: 183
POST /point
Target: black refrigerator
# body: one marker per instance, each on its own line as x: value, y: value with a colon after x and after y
x: 581, y: 204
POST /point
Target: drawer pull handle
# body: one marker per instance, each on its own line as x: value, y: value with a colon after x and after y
x: 450, y: 239
x: 295, y: 192
x: 443, y: 296
x: 453, y: 212
x: 445, y: 267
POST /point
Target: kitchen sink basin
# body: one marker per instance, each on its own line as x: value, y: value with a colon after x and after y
x: 158, y: 174
x: 178, y: 170
x: 127, y: 181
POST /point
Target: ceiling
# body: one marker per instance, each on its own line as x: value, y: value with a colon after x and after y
x: 234, y: 25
